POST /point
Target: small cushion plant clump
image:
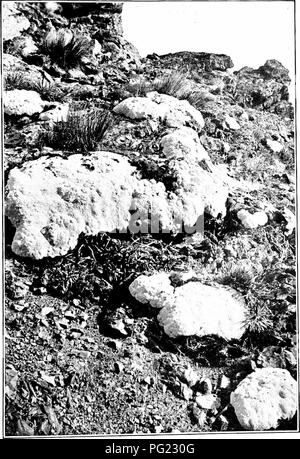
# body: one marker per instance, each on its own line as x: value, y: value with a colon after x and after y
x: 66, y: 48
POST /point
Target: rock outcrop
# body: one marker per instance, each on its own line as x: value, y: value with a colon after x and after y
x: 265, y: 88
x: 198, y: 62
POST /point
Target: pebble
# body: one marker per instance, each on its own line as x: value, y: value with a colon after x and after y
x: 118, y: 325
x: 208, y: 402
x: 119, y: 367
x: 149, y: 380
x: 231, y: 123
x: 158, y: 429
x: 225, y: 382
x: 274, y: 146
x: 185, y: 392
x: 116, y: 345
x: 46, y: 310
x: 190, y: 376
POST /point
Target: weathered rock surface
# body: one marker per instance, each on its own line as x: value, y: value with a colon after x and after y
x: 192, y: 309
x: 197, y: 61
x: 22, y: 102
x: 153, y: 289
x: 52, y: 201
x: 201, y: 310
x: 182, y: 143
x: 265, y: 88
x: 168, y: 109
x: 264, y: 398
x: 13, y: 22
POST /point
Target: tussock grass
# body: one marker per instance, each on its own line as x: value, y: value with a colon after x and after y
x: 138, y: 88
x: 81, y: 132
x: 65, y: 48
x: 172, y: 84
x: 48, y: 91
x: 177, y: 85
x: 14, y: 80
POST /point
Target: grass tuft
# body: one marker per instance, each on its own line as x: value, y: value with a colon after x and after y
x: 65, y: 48
x: 48, y: 91
x: 177, y: 85
x: 138, y: 88
x: 81, y: 132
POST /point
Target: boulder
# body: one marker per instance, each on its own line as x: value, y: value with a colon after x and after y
x: 22, y: 102
x: 167, y: 109
x: 265, y: 397
x: 193, y: 308
x: 200, y: 310
x: 13, y: 22
x: 51, y: 201
x: 153, y: 289
x: 252, y: 220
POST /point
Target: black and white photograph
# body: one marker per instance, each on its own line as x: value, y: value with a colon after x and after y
x: 149, y: 220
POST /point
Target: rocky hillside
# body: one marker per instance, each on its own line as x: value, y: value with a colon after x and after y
x: 150, y: 233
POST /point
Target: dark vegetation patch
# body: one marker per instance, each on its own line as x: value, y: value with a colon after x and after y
x: 66, y: 48
x: 81, y: 132
x: 153, y: 167
x: 269, y: 290
x: 177, y: 85
x: 103, y: 264
x: 48, y: 91
x: 173, y: 84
